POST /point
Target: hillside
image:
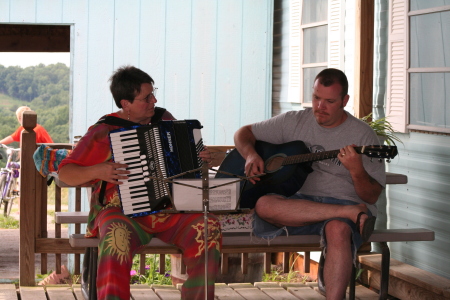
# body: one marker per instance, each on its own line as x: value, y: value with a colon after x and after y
x: 45, y: 89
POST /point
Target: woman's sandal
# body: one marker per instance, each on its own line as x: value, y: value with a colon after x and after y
x: 369, y: 226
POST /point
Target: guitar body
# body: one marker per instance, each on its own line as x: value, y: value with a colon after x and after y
x: 287, y: 180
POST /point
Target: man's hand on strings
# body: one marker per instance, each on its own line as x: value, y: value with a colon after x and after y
x: 254, y: 165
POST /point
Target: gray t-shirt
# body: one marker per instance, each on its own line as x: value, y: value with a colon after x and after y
x: 329, y: 178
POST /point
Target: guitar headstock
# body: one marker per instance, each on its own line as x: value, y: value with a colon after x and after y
x: 379, y: 151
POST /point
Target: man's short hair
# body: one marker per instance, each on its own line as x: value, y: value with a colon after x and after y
x: 126, y: 83
x: 330, y: 76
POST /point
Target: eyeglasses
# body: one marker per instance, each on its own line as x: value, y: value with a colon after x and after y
x: 150, y: 96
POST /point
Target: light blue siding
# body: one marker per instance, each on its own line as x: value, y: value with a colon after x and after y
x: 22, y: 11
x: 424, y: 201
x: 229, y: 62
x: 211, y: 60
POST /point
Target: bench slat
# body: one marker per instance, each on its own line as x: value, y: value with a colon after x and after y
x: 239, y: 240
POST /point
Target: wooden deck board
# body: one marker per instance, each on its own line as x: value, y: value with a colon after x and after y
x: 32, y: 293
x: 167, y: 294
x: 305, y: 293
x: 60, y: 292
x: 7, y: 291
x: 77, y: 291
x: 231, y: 291
x: 224, y: 292
x: 278, y: 293
x: 143, y: 292
x: 365, y: 293
x: 252, y: 293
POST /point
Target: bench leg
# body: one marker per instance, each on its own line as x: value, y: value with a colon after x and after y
x: 385, y: 262
x: 85, y: 274
x: 93, y: 274
x: 89, y: 274
x: 351, y: 292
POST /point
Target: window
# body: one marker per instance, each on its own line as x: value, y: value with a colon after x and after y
x: 316, y: 42
x: 419, y: 99
x: 429, y: 66
x: 314, y: 33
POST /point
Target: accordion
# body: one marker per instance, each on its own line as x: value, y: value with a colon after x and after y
x: 162, y: 150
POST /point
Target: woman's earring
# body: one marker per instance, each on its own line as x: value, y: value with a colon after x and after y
x: 128, y: 115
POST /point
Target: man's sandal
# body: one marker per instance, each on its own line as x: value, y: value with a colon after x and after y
x: 320, y: 281
x: 369, y: 226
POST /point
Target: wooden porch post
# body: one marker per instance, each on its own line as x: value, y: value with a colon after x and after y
x: 27, y: 201
x: 364, y: 28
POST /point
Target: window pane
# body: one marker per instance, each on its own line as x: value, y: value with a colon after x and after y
x: 308, y: 82
x: 315, y: 41
x: 430, y: 99
x: 423, y: 4
x: 430, y: 40
x: 314, y: 11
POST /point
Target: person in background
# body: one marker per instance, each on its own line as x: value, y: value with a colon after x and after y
x: 338, y: 199
x: 120, y: 236
x: 42, y: 135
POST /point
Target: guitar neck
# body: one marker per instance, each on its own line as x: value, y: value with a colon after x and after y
x: 311, y: 157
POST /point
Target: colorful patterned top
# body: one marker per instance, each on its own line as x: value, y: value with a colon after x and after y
x: 94, y: 148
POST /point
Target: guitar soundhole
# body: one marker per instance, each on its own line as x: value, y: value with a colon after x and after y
x: 274, y: 163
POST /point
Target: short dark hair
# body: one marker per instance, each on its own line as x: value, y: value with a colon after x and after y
x: 330, y: 76
x: 126, y: 83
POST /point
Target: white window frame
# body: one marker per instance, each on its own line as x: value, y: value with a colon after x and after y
x: 335, y: 22
x: 398, y: 101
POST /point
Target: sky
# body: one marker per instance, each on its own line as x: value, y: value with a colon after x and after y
x: 27, y: 59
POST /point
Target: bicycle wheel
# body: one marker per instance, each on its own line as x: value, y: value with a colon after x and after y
x: 2, y: 187
x: 11, y: 195
x: 8, y: 206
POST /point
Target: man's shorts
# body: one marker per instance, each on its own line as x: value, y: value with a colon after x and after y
x: 269, y: 231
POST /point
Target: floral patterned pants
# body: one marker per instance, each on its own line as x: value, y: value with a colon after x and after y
x: 121, y: 237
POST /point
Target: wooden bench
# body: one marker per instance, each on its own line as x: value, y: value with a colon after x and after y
x: 243, y: 243
x: 34, y: 231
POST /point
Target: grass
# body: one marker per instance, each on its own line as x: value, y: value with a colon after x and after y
x: 8, y: 222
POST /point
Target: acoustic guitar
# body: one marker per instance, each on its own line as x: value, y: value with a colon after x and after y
x: 286, y: 167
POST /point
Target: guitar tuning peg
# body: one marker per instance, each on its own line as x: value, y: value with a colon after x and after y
x: 388, y: 160
x: 380, y: 160
x: 371, y: 159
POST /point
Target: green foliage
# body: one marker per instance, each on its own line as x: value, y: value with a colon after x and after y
x: 151, y: 275
x: 45, y: 89
x: 277, y: 274
x: 36, y: 81
x: 382, y: 128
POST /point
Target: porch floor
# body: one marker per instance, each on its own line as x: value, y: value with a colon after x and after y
x: 231, y: 291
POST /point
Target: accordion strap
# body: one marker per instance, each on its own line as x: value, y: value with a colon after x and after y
x: 115, y: 121
x: 101, y: 197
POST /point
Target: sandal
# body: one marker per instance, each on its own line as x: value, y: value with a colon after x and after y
x: 320, y: 281
x: 369, y: 226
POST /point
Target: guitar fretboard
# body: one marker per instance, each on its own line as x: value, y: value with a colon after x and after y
x: 310, y: 157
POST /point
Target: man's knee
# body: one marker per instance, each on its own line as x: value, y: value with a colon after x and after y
x: 337, y: 232
x: 263, y: 205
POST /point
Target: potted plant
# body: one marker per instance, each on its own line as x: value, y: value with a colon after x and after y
x: 383, y: 128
